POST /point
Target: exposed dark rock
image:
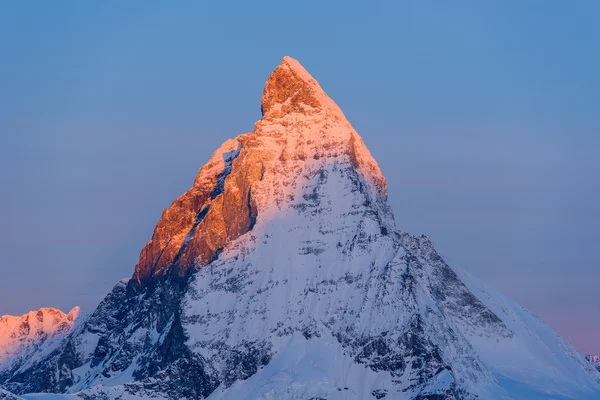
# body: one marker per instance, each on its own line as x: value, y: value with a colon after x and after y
x: 379, y: 393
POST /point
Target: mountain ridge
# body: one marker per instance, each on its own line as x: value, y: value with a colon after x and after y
x: 32, y: 328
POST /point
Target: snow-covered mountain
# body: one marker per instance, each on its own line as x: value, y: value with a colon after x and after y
x: 281, y: 275
x: 595, y: 360
x: 28, y: 334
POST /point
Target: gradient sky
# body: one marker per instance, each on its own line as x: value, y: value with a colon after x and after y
x: 484, y: 116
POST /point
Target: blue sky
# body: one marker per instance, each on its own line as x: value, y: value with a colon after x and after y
x: 484, y: 117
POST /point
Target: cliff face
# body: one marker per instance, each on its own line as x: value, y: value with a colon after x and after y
x: 196, y: 225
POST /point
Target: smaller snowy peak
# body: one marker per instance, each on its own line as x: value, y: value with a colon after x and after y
x: 595, y: 360
x: 32, y: 328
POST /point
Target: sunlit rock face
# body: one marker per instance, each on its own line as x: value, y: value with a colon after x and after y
x: 195, y: 226
x: 281, y: 275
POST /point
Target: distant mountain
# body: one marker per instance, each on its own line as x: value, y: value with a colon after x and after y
x: 20, y: 335
x: 25, y: 338
x: 281, y: 275
x: 595, y: 360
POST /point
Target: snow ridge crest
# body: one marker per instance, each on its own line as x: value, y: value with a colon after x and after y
x: 17, y: 332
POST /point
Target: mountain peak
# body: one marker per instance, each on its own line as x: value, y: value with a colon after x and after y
x: 253, y: 177
x: 291, y: 89
x: 33, y: 327
x: 50, y: 314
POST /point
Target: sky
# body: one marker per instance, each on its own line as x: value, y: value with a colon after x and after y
x: 484, y: 117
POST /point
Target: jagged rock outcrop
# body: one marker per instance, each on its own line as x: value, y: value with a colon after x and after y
x: 281, y: 275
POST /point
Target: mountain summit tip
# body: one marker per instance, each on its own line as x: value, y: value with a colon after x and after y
x: 291, y: 89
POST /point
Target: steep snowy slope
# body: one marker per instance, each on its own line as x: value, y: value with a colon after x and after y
x: 536, y: 359
x: 281, y: 275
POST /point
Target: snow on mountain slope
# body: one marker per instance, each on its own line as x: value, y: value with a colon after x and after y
x: 17, y: 332
x: 536, y: 356
x: 29, y: 337
x: 4, y: 395
x: 35, y: 333
x: 281, y: 275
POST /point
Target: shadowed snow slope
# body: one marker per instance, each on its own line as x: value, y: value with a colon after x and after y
x: 281, y: 275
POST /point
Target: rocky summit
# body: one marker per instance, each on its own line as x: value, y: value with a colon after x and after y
x: 281, y: 274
